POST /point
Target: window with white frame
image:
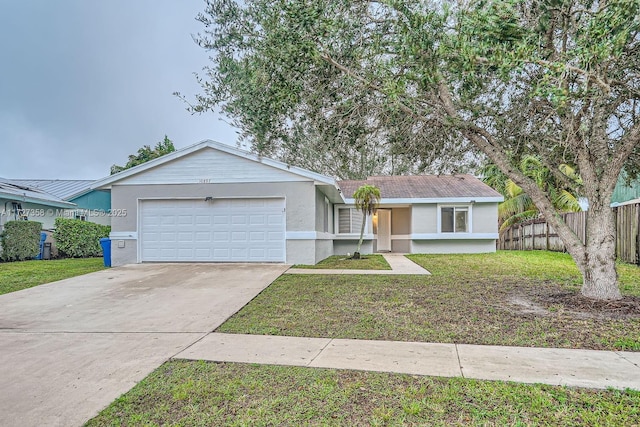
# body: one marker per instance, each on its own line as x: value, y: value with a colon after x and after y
x: 349, y: 220
x: 454, y: 219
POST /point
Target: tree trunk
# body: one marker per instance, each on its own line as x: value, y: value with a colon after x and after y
x: 598, y: 263
x: 364, y: 221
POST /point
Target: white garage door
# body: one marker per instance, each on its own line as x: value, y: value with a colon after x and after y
x: 231, y: 230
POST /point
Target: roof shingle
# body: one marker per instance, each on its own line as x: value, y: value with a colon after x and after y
x: 422, y: 186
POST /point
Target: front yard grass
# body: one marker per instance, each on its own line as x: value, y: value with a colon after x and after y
x: 506, y: 298
x: 342, y: 262
x: 190, y: 393
x: 15, y: 276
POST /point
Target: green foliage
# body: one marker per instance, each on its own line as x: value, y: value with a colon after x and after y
x: 367, y: 199
x: 439, y: 85
x: 20, y: 240
x: 79, y: 239
x: 145, y: 154
x: 26, y: 274
x: 243, y: 394
x: 518, y: 206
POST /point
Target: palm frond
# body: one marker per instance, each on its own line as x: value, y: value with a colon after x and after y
x: 515, y: 205
x: 518, y: 218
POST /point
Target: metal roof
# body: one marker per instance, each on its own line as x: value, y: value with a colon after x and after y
x: 61, y: 188
x: 11, y: 190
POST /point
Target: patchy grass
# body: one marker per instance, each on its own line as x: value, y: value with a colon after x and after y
x: 15, y: 276
x: 342, y: 262
x: 190, y: 393
x: 493, y: 299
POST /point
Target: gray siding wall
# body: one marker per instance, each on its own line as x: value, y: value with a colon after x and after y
x: 321, y: 212
x: 300, y: 210
x: 401, y: 246
x: 324, y: 249
x: 452, y: 246
x: 424, y: 218
x: 342, y: 247
x: 485, y: 218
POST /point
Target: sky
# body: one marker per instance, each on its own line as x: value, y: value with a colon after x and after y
x: 83, y: 84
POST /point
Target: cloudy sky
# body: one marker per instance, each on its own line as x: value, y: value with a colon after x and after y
x: 86, y: 83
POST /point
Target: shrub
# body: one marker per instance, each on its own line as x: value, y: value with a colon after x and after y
x: 79, y: 239
x: 20, y: 240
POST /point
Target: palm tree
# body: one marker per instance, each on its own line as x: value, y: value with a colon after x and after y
x: 518, y: 206
x: 367, y: 198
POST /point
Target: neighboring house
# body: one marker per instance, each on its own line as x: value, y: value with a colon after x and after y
x: 18, y: 202
x: 90, y: 205
x: 625, y: 193
x: 213, y: 202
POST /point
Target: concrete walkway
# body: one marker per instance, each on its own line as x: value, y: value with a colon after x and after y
x: 399, y: 264
x: 574, y: 368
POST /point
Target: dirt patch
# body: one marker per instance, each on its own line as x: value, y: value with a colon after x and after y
x: 526, y: 306
x: 626, y: 308
x: 574, y: 304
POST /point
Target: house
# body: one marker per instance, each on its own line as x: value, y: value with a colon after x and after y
x: 90, y: 205
x: 25, y: 202
x: 424, y: 214
x: 214, y: 202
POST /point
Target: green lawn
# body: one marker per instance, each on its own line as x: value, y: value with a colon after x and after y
x: 469, y: 298
x: 341, y: 262
x: 506, y: 298
x: 15, y: 276
x: 185, y: 393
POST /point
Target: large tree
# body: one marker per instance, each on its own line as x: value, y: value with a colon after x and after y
x: 444, y: 81
x: 146, y: 153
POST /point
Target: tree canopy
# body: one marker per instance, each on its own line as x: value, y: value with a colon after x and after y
x: 146, y: 153
x: 441, y: 83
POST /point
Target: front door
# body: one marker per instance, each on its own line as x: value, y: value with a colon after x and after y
x: 384, y: 230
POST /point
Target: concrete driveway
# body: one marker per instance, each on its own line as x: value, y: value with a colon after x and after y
x: 69, y: 348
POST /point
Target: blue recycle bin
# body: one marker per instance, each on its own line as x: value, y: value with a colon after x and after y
x: 43, y: 237
x: 105, y: 242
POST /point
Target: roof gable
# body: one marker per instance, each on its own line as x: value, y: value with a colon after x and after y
x: 425, y: 188
x: 211, y: 162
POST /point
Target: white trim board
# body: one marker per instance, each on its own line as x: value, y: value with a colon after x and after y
x: 454, y: 236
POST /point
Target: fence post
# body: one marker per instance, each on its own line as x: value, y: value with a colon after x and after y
x: 546, y: 226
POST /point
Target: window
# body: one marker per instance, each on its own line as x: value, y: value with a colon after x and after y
x: 454, y: 219
x: 349, y: 220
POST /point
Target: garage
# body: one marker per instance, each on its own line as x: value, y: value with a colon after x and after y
x: 212, y: 230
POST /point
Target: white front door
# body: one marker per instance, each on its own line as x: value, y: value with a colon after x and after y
x: 384, y: 230
x: 221, y: 230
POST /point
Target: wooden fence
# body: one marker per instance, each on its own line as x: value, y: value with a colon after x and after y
x: 538, y: 235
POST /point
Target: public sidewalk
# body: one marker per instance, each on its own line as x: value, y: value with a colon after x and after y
x: 399, y: 264
x: 575, y: 368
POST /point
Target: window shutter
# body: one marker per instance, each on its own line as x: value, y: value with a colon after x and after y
x: 356, y: 221
x: 344, y: 220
